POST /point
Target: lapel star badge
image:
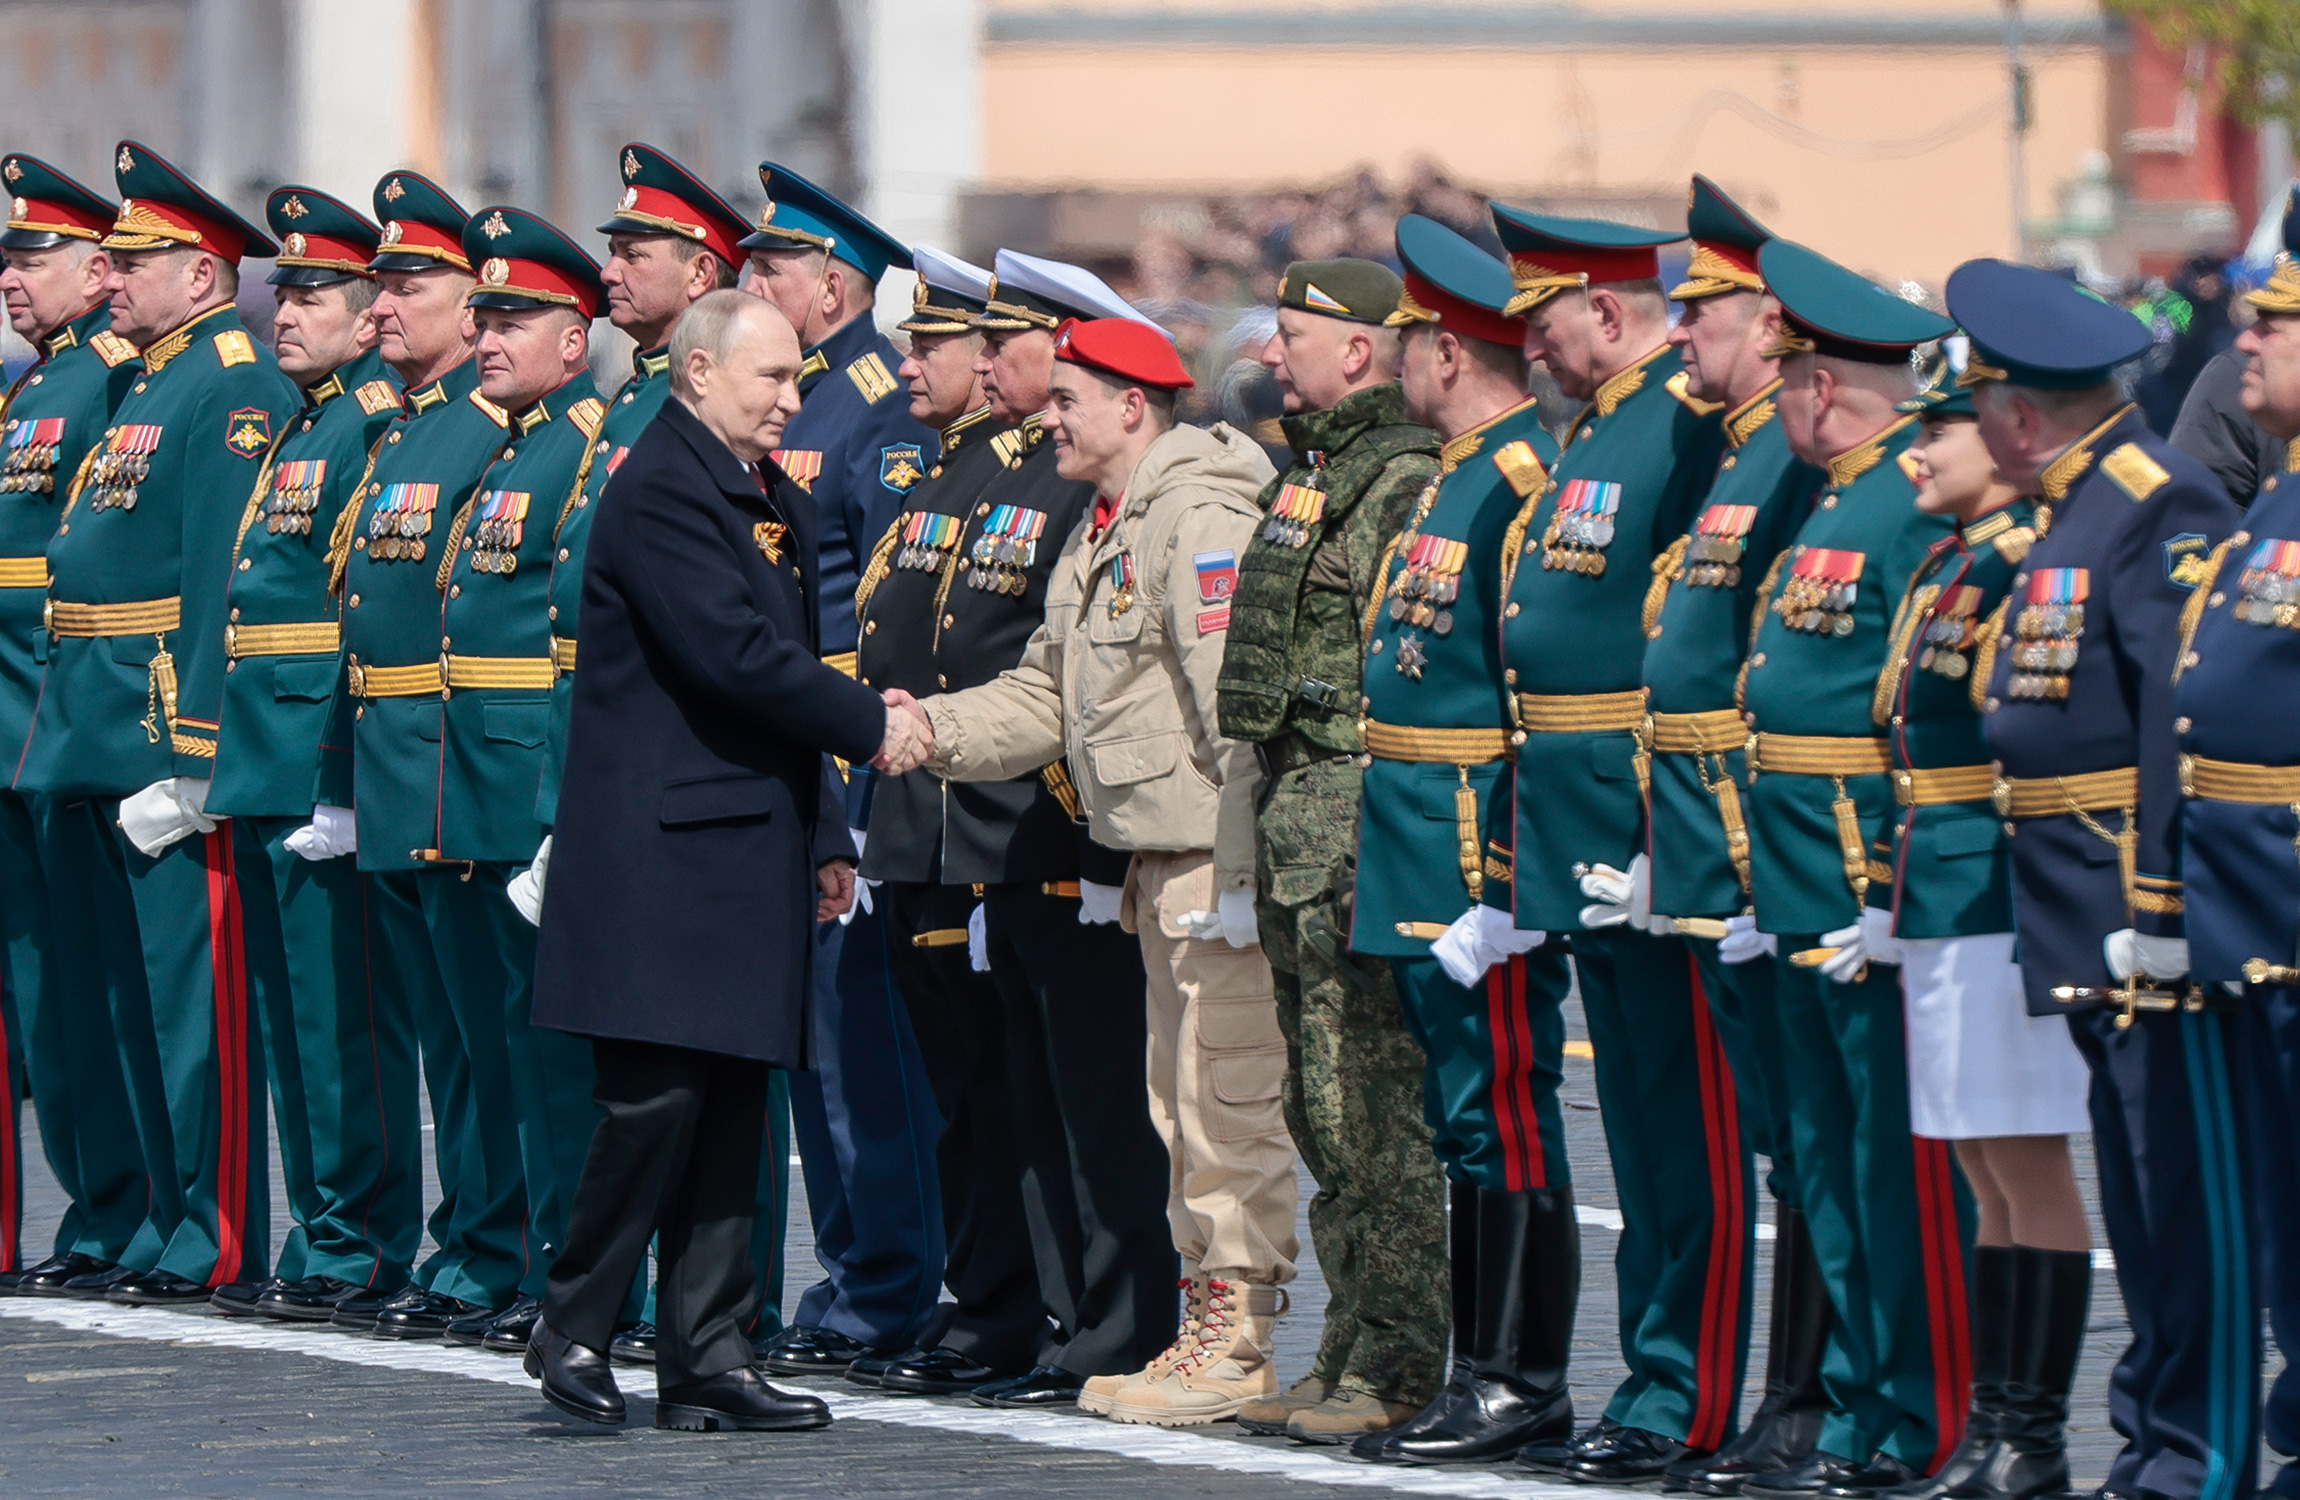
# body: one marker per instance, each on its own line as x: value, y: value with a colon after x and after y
x: 1412, y: 657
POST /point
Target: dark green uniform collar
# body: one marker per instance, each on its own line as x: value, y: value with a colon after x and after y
x: 553, y: 405
x: 646, y: 364
x: 1315, y: 434
x: 346, y: 377
x: 455, y: 385
x: 1745, y: 421
x: 78, y: 331
x: 1865, y: 455
x: 1459, y: 449
x: 174, y: 342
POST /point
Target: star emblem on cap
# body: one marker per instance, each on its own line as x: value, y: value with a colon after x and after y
x: 14, y: 171
x: 393, y: 230
x: 295, y: 245
x: 293, y: 209
x: 496, y: 272
x: 496, y: 226
x: 127, y: 163
x: 393, y: 191
x: 766, y: 213
x: 630, y: 165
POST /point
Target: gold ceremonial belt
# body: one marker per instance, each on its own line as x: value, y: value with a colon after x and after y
x: 2232, y: 781
x: 843, y: 660
x: 23, y: 572
x: 1712, y: 733
x: 1581, y: 713
x: 393, y: 682
x: 563, y: 653
x: 320, y: 638
x: 1067, y: 888
x: 2052, y: 796
x: 501, y: 671
x: 88, y: 621
x: 1820, y: 755
x: 1937, y: 788
x: 939, y: 937
x: 1446, y: 747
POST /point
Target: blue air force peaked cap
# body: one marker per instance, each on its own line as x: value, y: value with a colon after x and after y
x: 1826, y: 309
x: 2033, y: 327
x: 802, y: 216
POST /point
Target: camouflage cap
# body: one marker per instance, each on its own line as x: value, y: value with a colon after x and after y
x: 1356, y: 291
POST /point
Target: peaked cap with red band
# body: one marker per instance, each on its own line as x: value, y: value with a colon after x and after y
x: 323, y: 240
x: 422, y: 225
x: 162, y: 209
x: 46, y: 208
x: 1725, y: 245
x: 524, y: 261
x: 1132, y: 351
x: 1548, y: 253
x: 1452, y: 283
x: 662, y: 197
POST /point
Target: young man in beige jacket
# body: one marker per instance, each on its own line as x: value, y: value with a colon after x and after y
x: 1121, y: 679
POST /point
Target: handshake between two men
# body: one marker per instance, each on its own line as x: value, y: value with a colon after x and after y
x: 909, y: 736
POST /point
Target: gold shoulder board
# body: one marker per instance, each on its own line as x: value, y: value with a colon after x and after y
x: 112, y: 349
x: 495, y: 414
x: 2135, y: 472
x: 1008, y: 446
x: 1522, y: 467
x: 376, y: 397
x: 587, y: 414
x: 1681, y: 386
x: 870, y: 377
x: 234, y: 347
x: 2014, y: 544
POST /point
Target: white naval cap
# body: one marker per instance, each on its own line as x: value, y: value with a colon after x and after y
x: 1031, y: 291
x: 950, y: 294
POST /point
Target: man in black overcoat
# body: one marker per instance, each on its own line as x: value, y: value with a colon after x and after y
x: 698, y: 842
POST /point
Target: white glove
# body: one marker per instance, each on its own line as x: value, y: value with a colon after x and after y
x: 1877, y: 935
x: 1477, y: 940
x: 2128, y: 953
x: 861, y: 902
x: 1851, y: 959
x: 166, y: 811
x: 1098, y: 904
x: 1621, y: 896
x: 1232, y: 920
x: 977, y: 940
x: 526, y: 888
x: 1743, y: 942
x: 332, y: 833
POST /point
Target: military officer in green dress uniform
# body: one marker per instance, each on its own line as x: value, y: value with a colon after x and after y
x: 670, y: 240
x: 127, y: 721
x: 384, y: 556
x: 1435, y: 729
x: 1580, y: 558
x: 1697, y: 610
x: 53, y: 1005
x: 1290, y: 676
x: 1888, y: 1216
x: 342, y: 1068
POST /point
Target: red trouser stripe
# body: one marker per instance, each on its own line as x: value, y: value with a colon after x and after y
x: 1510, y: 1095
x: 227, y: 971
x: 1713, y: 1374
x: 375, y: 1070
x: 1944, y: 1263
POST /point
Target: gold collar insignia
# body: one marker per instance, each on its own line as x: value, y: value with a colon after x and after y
x: 1863, y: 456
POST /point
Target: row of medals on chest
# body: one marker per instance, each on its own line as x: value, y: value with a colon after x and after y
x: 1000, y: 559
x: 30, y: 465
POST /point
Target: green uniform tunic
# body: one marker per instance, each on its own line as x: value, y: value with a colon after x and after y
x: 343, y: 1069
x: 54, y: 1005
x: 131, y: 696
x: 1697, y: 831
x: 388, y: 547
x: 1290, y: 676
x: 1886, y: 1210
x: 1436, y: 729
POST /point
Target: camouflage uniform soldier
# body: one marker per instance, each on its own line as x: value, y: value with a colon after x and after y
x: 1290, y: 684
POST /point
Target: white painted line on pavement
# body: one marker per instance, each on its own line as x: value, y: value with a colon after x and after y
x: 1046, y: 1430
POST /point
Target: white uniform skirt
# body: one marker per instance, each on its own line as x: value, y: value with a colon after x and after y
x: 1979, y: 1064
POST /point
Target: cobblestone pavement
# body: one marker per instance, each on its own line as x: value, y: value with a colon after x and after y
x: 102, y: 1401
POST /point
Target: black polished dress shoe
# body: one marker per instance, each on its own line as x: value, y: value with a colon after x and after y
x: 359, y: 1311
x: 512, y: 1327
x: 868, y: 1369
x: 47, y: 1278
x: 156, y: 1289
x: 939, y: 1372
x: 238, y: 1299
x: 1042, y: 1386
x: 420, y: 1314
x: 1882, y: 1472
x: 312, y: 1299
x: 1804, y: 1480
x: 93, y: 1286
x: 1773, y: 1440
x: 1631, y: 1456
x: 808, y: 1351
x: 576, y: 1379
x: 634, y: 1345
x: 467, y: 1331
x: 737, y: 1401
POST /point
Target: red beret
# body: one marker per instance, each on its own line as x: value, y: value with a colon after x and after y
x: 1124, y: 348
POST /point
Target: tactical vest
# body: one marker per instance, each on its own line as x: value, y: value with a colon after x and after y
x: 1293, y: 659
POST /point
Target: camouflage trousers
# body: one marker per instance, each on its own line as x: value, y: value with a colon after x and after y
x: 1353, y: 1100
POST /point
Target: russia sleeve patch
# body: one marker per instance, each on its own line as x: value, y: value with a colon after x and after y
x: 1217, y: 581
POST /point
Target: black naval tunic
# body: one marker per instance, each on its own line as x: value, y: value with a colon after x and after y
x: 1051, y: 1193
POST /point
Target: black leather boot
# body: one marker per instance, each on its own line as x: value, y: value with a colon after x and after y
x: 1992, y: 1350
x: 2052, y: 1290
x: 1783, y: 1430
x: 1513, y: 1396
x: 1461, y: 1242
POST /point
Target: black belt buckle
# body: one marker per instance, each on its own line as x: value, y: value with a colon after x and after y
x: 1319, y: 694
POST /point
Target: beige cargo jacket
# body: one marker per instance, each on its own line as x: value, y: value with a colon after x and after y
x: 1120, y: 677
